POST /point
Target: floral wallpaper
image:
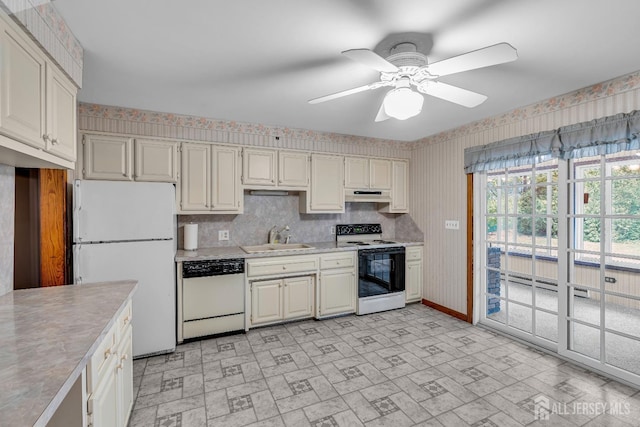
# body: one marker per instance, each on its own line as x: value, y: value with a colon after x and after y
x: 588, y: 94
x: 103, y: 118
x: 47, y: 26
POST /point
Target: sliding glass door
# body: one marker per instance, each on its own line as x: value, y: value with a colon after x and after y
x: 559, y: 257
x: 603, y: 268
x: 520, y: 251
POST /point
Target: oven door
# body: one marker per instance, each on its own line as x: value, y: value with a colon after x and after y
x: 380, y: 271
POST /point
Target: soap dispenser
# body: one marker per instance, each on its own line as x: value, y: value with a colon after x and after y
x: 272, y: 234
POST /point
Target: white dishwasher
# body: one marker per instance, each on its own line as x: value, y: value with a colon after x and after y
x: 212, y: 298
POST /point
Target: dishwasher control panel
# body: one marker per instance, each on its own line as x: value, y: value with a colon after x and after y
x: 213, y: 267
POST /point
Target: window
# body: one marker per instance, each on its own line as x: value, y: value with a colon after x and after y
x: 607, y: 209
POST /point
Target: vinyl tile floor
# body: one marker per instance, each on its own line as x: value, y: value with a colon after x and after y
x: 409, y: 367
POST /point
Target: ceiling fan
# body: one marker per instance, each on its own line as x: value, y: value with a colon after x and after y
x: 406, y: 68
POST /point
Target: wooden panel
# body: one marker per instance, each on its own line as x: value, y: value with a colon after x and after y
x: 53, y: 250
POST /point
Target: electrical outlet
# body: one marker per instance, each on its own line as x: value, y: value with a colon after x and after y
x: 223, y: 235
x: 332, y: 230
x: 452, y: 224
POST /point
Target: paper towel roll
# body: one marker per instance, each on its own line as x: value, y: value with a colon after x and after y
x: 190, y: 237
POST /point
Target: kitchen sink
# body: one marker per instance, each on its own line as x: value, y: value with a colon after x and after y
x: 270, y: 247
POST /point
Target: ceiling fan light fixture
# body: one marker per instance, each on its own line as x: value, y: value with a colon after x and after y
x: 402, y: 103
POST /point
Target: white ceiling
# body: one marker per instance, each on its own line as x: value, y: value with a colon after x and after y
x: 261, y: 61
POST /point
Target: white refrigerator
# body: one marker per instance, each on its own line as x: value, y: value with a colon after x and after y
x: 127, y: 230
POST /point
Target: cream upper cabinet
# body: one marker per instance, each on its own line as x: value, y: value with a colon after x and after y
x: 356, y: 172
x: 413, y: 274
x: 156, y: 160
x: 37, y: 101
x: 364, y: 173
x: 107, y: 157
x: 195, y: 177
x: 259, y: 167
x: 379, y: 174
x: 326, y: 192
x: 23, y: 94
x: 209, y: 179
x: 399, y: 188
x: 266, y: 168
x: 119, y: 158
x: 60, y: 135
x: 293, y: 169
x: 225, y: 178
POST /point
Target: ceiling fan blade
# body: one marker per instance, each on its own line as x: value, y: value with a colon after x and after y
x: 341, y: 94
x: 453, y: 94
x: 382, y: 114
x: 485, y: 57
x: 370, y: 59
x: 371, y: 86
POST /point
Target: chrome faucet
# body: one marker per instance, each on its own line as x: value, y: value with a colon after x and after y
x: 279, y: 236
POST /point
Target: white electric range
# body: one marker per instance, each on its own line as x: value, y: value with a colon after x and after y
x: 381, y: 263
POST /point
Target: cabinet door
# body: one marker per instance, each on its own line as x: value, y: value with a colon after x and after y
x: 400, y: 187
x: 293, y: 169
x: 259, y: 167
x: 356, y: 172
x: 414, y: 281
x: 298, y: 297
x: 379, y: 174
x: 266, y: 301
x: 326, y: 191
x: 337, y: 291
x: 124, y: 378
x: 194, y: 177
x: 61, y: 115
x: 107, y: 157
x: 225, y: 175
x: 156, y: 160
x: 102, y: 405
x: 22, y: 91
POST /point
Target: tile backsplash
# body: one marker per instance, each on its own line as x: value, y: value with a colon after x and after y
x: 263, y: 212
x: 7, y: 208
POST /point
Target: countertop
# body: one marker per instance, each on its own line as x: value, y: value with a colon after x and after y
x: 47, y: 337
x: 222, y: 252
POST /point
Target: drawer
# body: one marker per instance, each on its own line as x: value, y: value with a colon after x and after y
x: 101, y: 359
x: 281, y: 266
x: 414, y: 253
x: 216, y: 325
x: 338, y: 260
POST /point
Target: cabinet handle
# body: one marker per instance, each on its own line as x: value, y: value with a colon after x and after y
x: 107, y: 353
x: 119, y: 366
x: 125, y: 320
x: 46, y: 137
x: 124, y: 174
x: 124, y: 357
x: 54, y: 141
x: 284, y: 267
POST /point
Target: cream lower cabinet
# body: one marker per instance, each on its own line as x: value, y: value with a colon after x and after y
x: 209, y: 179
x: 281, y: 299
x: 326, y: 191
x: 110, y: 376
x: 413, y: 274
x: 337, y: 284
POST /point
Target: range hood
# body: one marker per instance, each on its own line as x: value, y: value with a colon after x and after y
x: 377, y: 196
